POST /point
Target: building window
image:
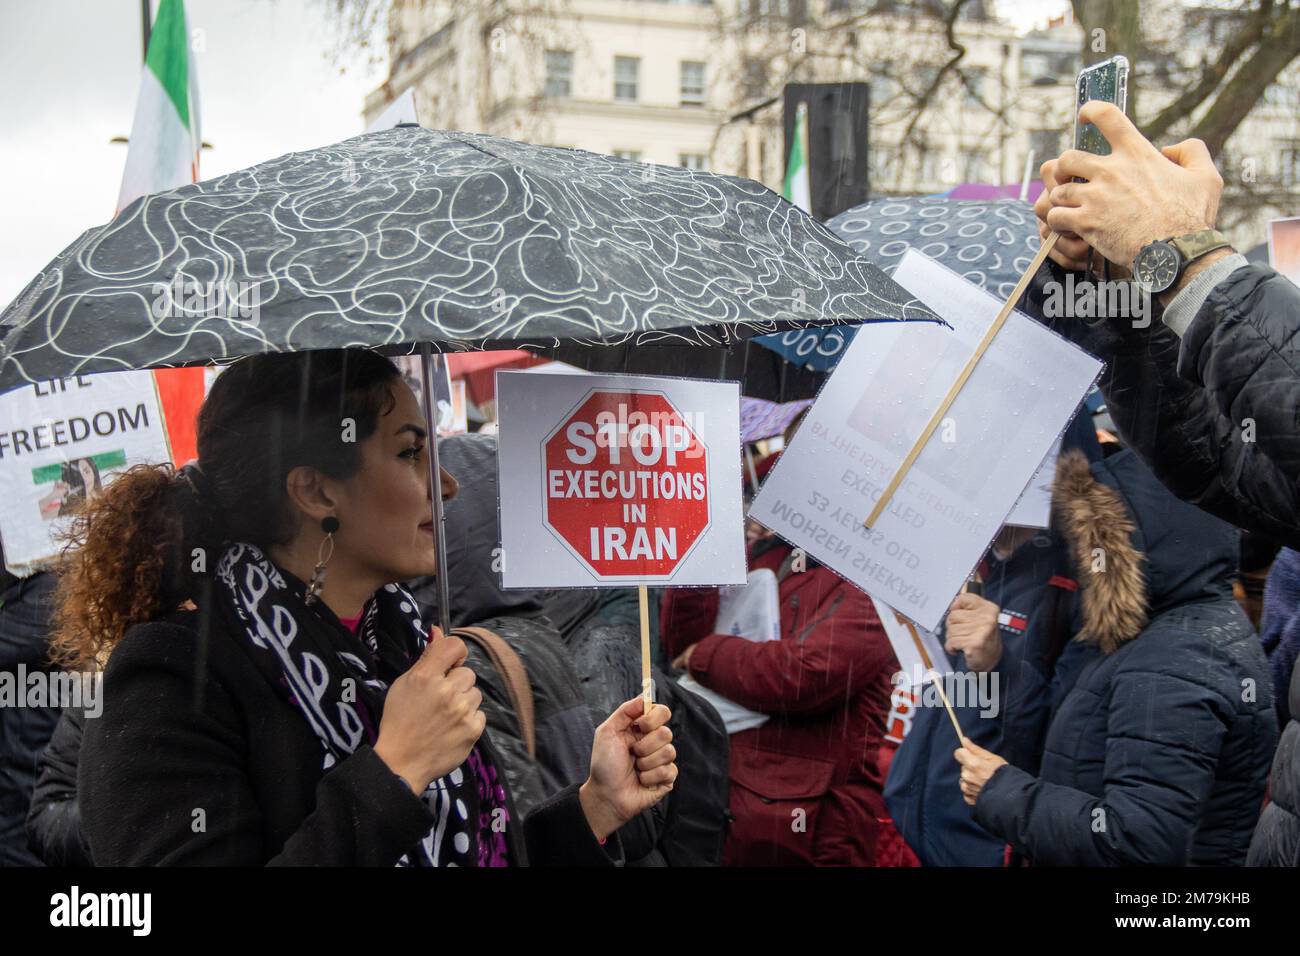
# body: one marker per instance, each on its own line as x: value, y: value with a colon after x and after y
x: 883, y: 87
x: 1034, y: 66
x: 974, y: 166
x: 757, y: 9
x: 926, y: 168
x: 1290, y: 165
x: 633, y: 154
x: 1045, y: 144
x: 696, y: 161
x: 974, y: 85
x: 1279, y: 94
x: 559, y: 73
x: 627, y: 69
x: 754, y: 78
x: 882, y: 164
x: 692, y: 83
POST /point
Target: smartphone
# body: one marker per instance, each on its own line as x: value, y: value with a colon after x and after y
x: 1106, y: 81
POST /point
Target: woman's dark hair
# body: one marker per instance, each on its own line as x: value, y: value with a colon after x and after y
x: 141, y: 546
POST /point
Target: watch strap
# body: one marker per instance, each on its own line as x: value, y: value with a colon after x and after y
x: 1194, y: 245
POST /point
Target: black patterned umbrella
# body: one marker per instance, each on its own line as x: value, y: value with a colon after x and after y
x: 461, y: 241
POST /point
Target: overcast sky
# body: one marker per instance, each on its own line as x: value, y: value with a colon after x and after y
x: 70, y: 72
x: 69, y: 75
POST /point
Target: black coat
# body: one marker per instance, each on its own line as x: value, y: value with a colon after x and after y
x: 54, y: 820
x: 1159, y: 745
x: 197, y: 760
x: 1187, y: 407
x: 1183, y: 405
x: 25, y: 606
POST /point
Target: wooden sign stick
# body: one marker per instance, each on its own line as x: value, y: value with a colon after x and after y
x: 938, y: 678
x: 948, y: 399
x: 647, y: 680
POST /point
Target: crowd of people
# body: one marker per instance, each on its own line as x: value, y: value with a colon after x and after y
x: 272, y: 693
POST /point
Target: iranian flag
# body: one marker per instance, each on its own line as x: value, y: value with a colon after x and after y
x: 164, y: 147
x: 797, y: 187
x: 163, y: 153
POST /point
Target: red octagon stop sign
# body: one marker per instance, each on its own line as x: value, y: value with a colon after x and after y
x: 627, y: 486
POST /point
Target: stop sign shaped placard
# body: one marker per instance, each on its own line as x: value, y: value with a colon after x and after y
x: 626, y: 484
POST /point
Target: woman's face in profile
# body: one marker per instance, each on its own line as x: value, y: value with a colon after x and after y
x: 385, y: 511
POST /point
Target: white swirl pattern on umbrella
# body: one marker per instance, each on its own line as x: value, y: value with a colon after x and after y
x: 411, y: 235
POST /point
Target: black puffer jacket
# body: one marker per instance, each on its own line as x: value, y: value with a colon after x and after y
x: 24, y: 731
x: 1187, y: 408
x: 1161, y: 736
x: 1213, y: 414
x: 562, y: 730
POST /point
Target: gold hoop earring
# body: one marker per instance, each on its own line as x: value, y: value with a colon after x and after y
x: 329, y: 524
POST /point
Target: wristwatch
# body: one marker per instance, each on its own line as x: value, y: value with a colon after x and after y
x: 1159, y: 265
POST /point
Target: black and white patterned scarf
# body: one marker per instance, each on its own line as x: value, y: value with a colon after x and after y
x: 338, y: 680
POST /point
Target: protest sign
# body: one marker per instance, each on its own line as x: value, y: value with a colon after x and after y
x: 1284, y: 247
x: 920, y: 653
x: 951, y: 503
x: 751, y: 611
x: 611, y: 480
x: 60, y: 442
x: 1033, y: 509
x: 921, y: 657
x: 449, y: 398
x: 400, y: 110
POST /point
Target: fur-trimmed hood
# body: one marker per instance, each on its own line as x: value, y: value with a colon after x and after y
x: 1137, y: 549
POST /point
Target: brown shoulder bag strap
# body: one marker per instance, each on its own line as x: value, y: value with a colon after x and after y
x: 511, y: 669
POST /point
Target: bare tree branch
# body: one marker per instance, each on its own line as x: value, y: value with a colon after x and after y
x: 959, y: 52
x: 1277, y: 48
x: 1212, y: 75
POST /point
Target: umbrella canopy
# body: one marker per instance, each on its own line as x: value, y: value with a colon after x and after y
x: 760, y: 419
x: 988, y: 243
x: 410, y: 236
x: 761, y: 372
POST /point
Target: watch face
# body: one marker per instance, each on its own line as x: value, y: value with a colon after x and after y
x: 1156, y: 268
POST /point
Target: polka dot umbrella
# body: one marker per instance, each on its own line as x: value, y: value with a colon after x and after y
x: 989, y: 243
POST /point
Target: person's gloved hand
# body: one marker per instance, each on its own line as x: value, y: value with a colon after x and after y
x: 1136, y: 195
x: 632, y: 766
x: 972, y: 628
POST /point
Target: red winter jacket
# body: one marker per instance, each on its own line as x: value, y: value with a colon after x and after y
x: 826, y: 685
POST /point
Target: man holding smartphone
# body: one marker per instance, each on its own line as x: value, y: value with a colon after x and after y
x: 1210, y: 396
x: 1135, y: 198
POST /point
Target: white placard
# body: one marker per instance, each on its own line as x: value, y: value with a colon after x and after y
x: 1033, y: 509
x: 62, y: 441
x: 892, y: 377
x: 1284, y: 247
x: 751, y: 611
x: 401, y: 110
x: 903, y: 637
x: 612, y: 480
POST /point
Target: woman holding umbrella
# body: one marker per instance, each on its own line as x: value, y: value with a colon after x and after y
x: 271, y: 697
